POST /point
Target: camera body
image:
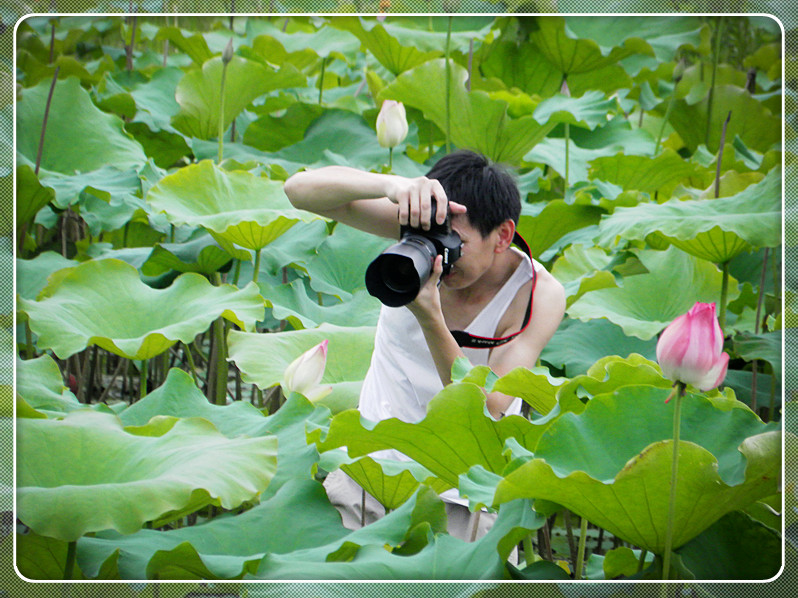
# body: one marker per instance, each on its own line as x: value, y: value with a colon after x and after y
x: 396, y: 276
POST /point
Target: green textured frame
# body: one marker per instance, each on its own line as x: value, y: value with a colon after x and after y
x: 12, y: 585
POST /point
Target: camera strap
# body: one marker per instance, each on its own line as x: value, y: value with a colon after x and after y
x: 471, y: 341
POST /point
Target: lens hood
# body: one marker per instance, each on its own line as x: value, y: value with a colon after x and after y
x: 398, y: 273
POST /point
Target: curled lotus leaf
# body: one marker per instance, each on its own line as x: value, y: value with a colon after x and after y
x: 235, y: 207
x: 104, y: 303
x: 86, y: 473
x: 728, y: 459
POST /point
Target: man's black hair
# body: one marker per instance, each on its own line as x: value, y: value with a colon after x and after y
x: 488, y: 190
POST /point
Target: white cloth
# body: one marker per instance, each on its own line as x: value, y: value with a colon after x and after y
x: 402, y: 378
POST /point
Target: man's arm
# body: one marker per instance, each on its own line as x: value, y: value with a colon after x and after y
x: 374, y: 202
x: 525, y: 349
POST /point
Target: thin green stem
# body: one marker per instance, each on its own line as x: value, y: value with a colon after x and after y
x: 529, y: 551
x: 44, y: 120
x: 390, y: 159
x: 236, y: 272
x: 321, y: 78
x: 69, y: 566
x: 256, y: 268
x: 724, y: 297
x: 664, y: 121
x: 220, y: 384
x: 143, y: 379
x: 580, y: 551
x: 448, y: 89
x: 567, y: 151
x: 190, y: 359
x: 642, y: 560
x: 677, y: 414
x: 221, y: 115
x: 711, y: 97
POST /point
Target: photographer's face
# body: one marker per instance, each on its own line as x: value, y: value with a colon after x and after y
x: 477, y: 255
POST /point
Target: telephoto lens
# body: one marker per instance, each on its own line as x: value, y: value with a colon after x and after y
x: 396, y: 276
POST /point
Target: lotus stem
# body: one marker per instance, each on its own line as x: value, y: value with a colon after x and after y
x: 44, y: 121
x: 52, y: 41
x: 256, y: 266
x: 665, y: 120
x: 529, y: 551
x: 711, y: 98
x: 642, y: 560
x: 129, y: 48
x: 755, y: 362
x: 69, y: 566
x: 114, y: 376
x: 390, y: 158
x: 448, y: 89
x: 567, y: 149
x: 724, y: 296
x: 580, y: 555
x: 221, y: 114
x: 677, y: 393
x: 190, y: 360
x: 321, y: 77
x: 720, y: 154
x: 143, y: 379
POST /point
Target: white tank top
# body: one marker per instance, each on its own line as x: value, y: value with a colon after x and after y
x: 402, y: 378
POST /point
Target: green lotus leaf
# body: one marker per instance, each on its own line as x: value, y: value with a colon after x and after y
x: 201, y: 254
x: 228, y: 548
x: 477, y: 120
x: 754, y: 123
x: 272, y: 133
x: 716, y: 229
x: 293, y: 303
x: 589, y: 110
x: 85, y: 473
x: 392, y: 483
x: 556, y: 219
x: 455, y: 434
x: 643, y: 173
x: 766, y: 346
x: 41, y: 385
x: 563, y: 48
x: 278, y: 46
x: 106, y: 181
x: 443, y: 558
x: 581, y: 269
x: 31, y: 195
x: 340, y: 265
x: 262, y: 358
x: 79, y: 136
x: 104, y: 303
x: 179, y: 397
x: 32, y: 274
x: 522, y: 66
x: 199, y: 95
x: 236, y: 207
x: 194, y: 45
x: 551, y: 151
x: 727, y: 460
x: 647, y: 303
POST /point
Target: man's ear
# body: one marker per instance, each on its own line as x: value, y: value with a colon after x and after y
x: 506, y: 232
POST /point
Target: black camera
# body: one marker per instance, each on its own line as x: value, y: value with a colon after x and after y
x: 396, y: 276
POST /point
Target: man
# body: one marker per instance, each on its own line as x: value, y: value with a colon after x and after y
x: 486, y: 293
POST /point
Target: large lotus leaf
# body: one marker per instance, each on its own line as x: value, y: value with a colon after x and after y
x: 578, y: 345
x: 201, y: 254
x: 716, y: 229
x: 236, y: 207
x: 271, y: 133
x: 179, y: 397
x: 728, y: 459
x: 107, y: 179
x: 551, y: 151
x: 291, y: 302
x: 32, y: 274
x: 541, y: 229
x: 755, y: 124
x: 199, y: 93
x: 455, y: 434
x: 85, y: 473
x: 194, y: 45
x: 759, y: 558
x: 104, y: 302
x: 324, y: 42
x: 765, y: 346
x: 227, y: 548
x: 521, y: 66
x: 477, y: 120
x: 392, y: 483
x: 588, y: 111
x: 31, y: 196
x: 262, y: 358
x: 581, y: 269
x: 563, y: 48
x: 648, y: 302
x: 79, y: 136
x: 340, y: 265
x: 643, y: 173
x: 41, y: 385
x: 444, y: 558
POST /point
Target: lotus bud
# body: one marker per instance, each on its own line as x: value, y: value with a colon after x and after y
x: 304, y: 374
x: 690, y: 349
x: 564, y: 89
x: 391, y: 124
x: 227, y: 55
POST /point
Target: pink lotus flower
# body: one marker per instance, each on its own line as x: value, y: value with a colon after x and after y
x: 304, y: 374
x: 690, y: 349
x: 391, y: 124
